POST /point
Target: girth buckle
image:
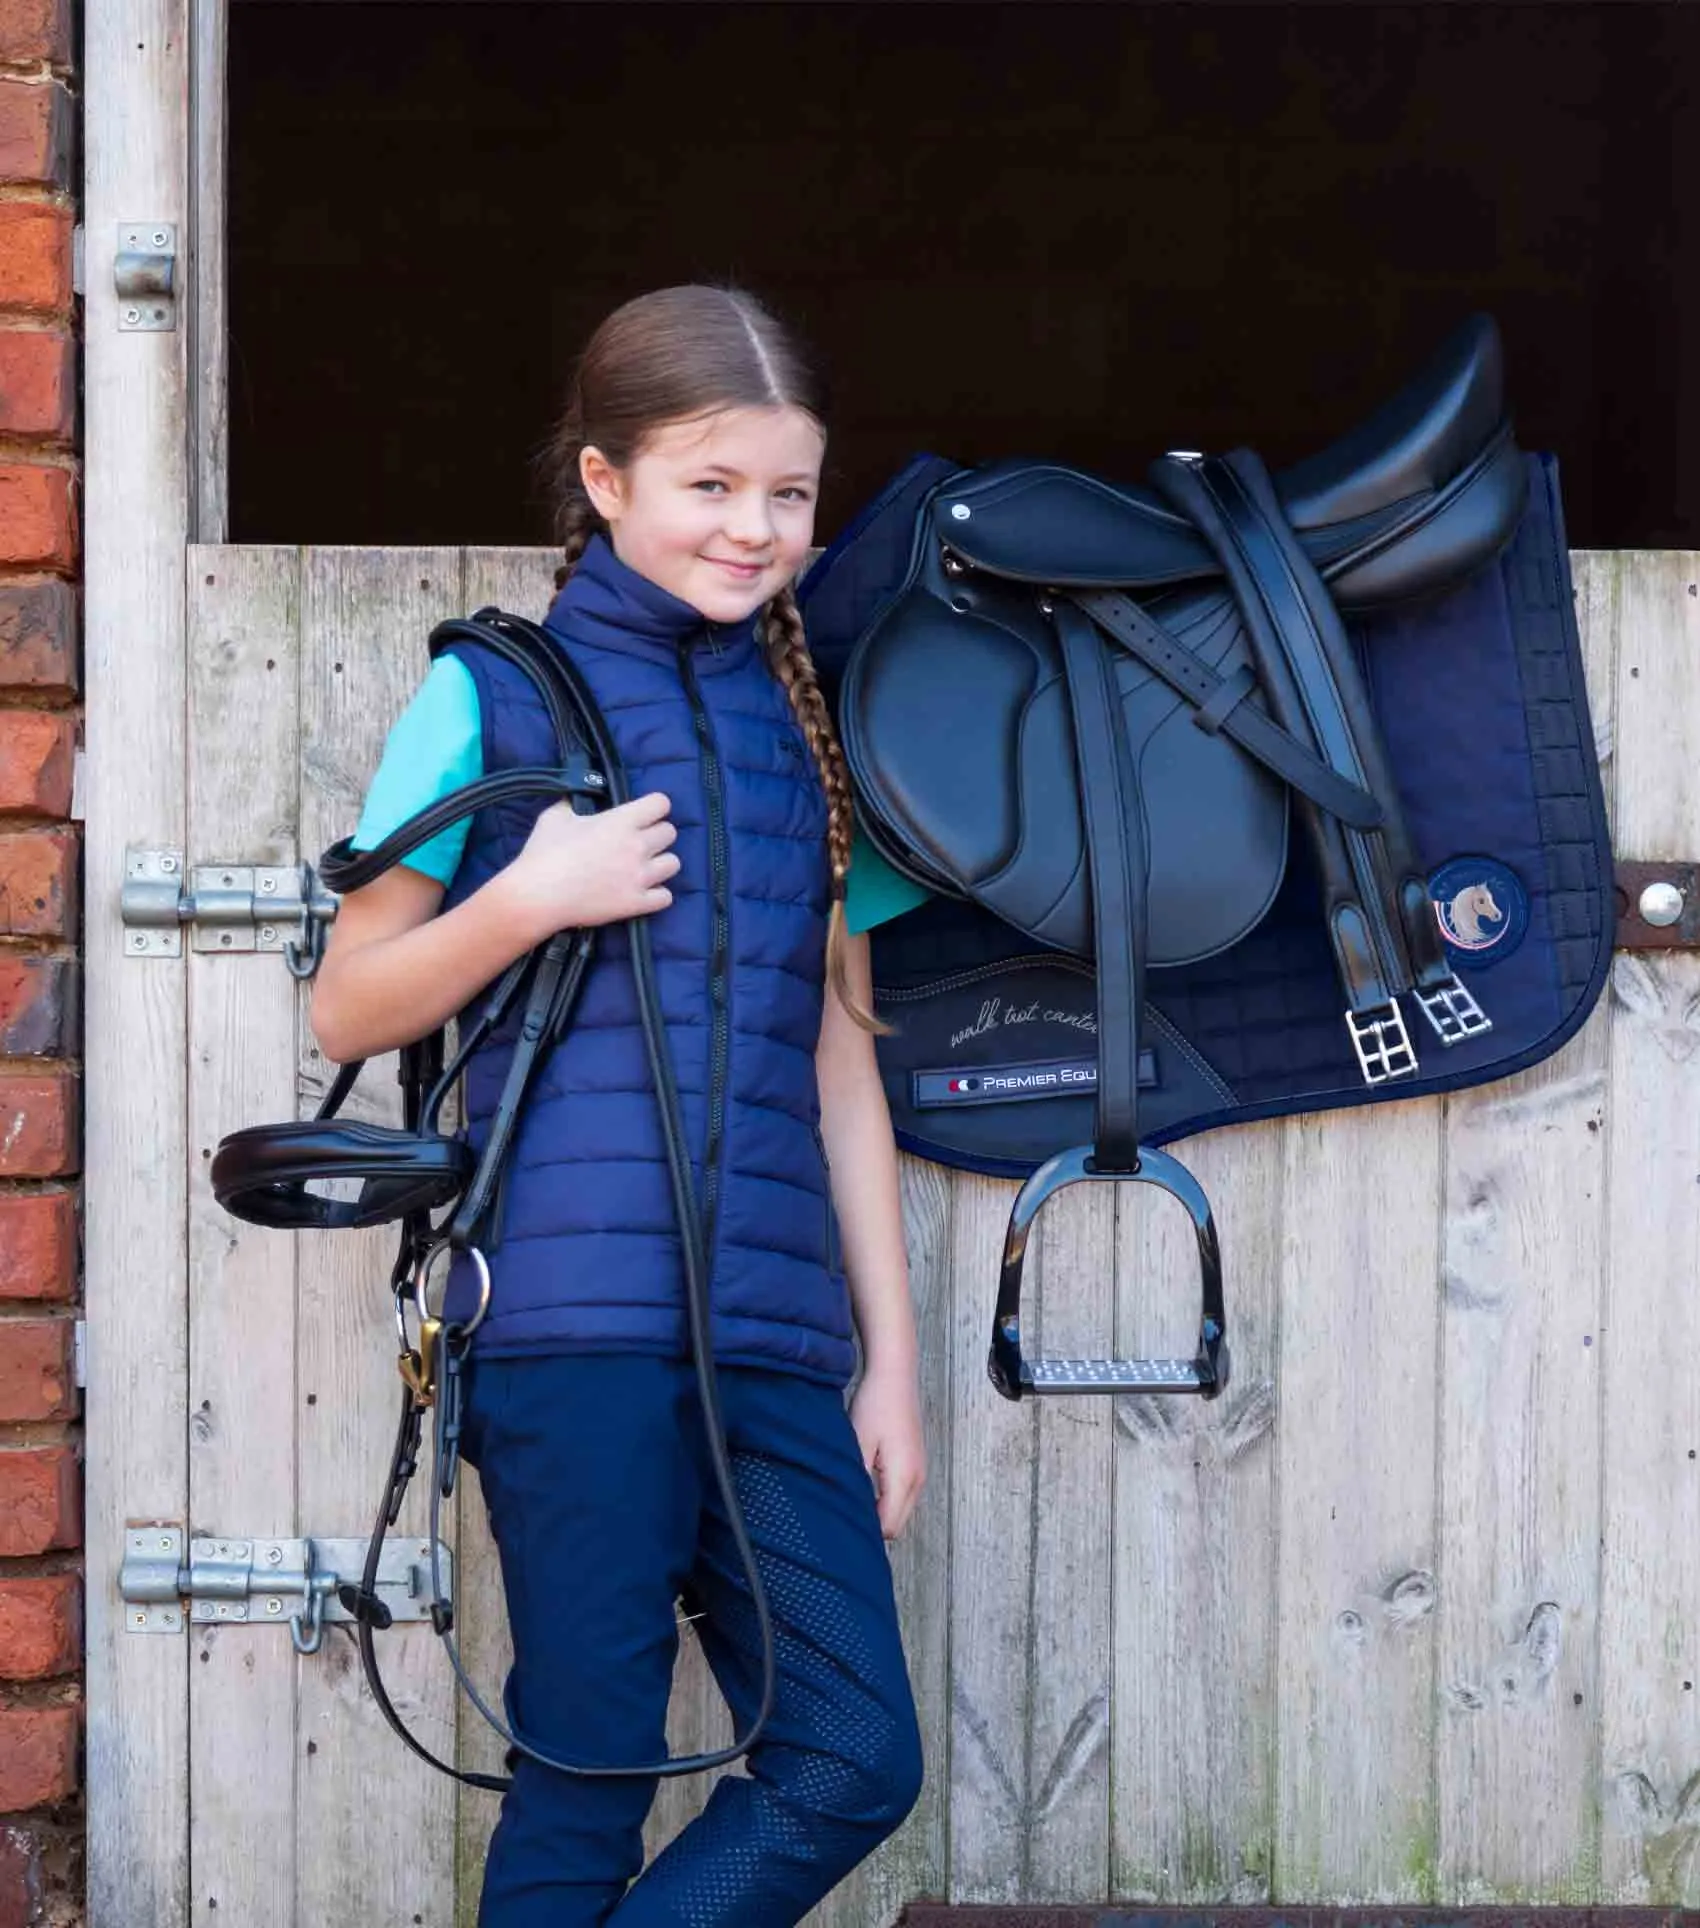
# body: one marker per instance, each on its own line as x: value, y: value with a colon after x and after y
x: 1453, y: 1011
x: 1382, y: 1043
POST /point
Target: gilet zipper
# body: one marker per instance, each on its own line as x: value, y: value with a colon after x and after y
x: 718, y: 987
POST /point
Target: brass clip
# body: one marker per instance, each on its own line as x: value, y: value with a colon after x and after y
x: 418, y: 1364
x: 430, y: 1331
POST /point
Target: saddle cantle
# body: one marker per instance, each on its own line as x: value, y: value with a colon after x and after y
x: 1091, y: 712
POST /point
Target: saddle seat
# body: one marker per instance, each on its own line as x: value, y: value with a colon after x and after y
x: 955, y: 711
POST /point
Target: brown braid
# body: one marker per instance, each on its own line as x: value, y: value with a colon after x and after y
x: 789, y: 659
x: 575, y: 523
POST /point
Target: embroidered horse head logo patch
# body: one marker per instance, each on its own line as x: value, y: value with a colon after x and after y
x: 1481, y: 907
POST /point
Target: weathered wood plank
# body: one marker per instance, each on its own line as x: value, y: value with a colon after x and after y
x: 1356, y: 1455
x: 1070, y: 1635
x: 244, y: 761
x: 135, y: 90
x: 1518, y: 1689
x: 1650, y: 1597
x: 209, y: 290
x: 913, y: 1862
x: 993, y: 1455
x: 365, y: 615
x: 1194, y: 1526
x: 1518, y: 1627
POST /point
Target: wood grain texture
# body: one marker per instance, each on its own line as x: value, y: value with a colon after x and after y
x: 993, y: 1452
x: 1649, y: 1790
x: 913, y: 1861
x: 244, y: 758
x: 134, y: 84
x: 207, y: 322
x: 365, y: 614
x: 1070, y: 1644
x: 1519, y: 1548
x: 1194, y: 1527
x: 1356, y: 1522
x: 1523, y: 1252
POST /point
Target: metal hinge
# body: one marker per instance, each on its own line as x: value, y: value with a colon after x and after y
x: 229, y: 907
x: 287, y: 1583
x: 144, y: 273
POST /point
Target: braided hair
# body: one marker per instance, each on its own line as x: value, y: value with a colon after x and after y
x: 669, y: 356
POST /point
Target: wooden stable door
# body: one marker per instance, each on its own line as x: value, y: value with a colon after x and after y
x: 1412, y: 1614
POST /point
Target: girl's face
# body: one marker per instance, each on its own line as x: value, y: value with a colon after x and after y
x: 719, y: 510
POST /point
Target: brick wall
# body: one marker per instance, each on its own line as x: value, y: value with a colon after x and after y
x: 40, y: 976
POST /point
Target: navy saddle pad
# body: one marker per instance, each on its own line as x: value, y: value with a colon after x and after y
x: 1481, y: 701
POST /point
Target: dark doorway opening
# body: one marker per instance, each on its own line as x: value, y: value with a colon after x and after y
x: 1091, y: 232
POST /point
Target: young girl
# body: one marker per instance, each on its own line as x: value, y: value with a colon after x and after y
x: 688, y: 465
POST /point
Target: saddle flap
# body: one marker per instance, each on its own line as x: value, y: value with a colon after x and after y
x: 1000, y: 819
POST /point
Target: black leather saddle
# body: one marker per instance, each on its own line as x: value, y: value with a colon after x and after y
x: 1095, y: 711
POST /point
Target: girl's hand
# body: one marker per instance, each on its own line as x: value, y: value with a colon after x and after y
x: 577, y: 871
x: 885, y: 1411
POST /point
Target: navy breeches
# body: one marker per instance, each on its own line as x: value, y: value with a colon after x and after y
x: 605, y: 1508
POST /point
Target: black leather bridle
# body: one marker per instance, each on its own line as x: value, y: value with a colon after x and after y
x: 408, y: 1172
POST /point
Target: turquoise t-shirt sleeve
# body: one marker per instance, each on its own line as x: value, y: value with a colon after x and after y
x: 874, y: 893
x: 436, y: 745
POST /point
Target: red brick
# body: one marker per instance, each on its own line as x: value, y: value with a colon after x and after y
x: 38, y: 1245
x: 41, y: 1626
x: 38, y: 883
x: 38, y: 751
x: 35, y: 1370
x: 38, y: 515
x: 39, y: 1135
x: 35, y: 256
x: 36, y: 30
x: 36, y: 131
x: 21, y: 1884
x: 38, y: 1756
x: 38, y: 383
x: 40, y: 1006
x: 38, y: 634
x: 41, y: 1500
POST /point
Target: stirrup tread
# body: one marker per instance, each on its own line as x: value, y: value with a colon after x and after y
x: 1115, y: 1375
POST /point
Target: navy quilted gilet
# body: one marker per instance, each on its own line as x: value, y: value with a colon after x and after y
x: 587, y: 1257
